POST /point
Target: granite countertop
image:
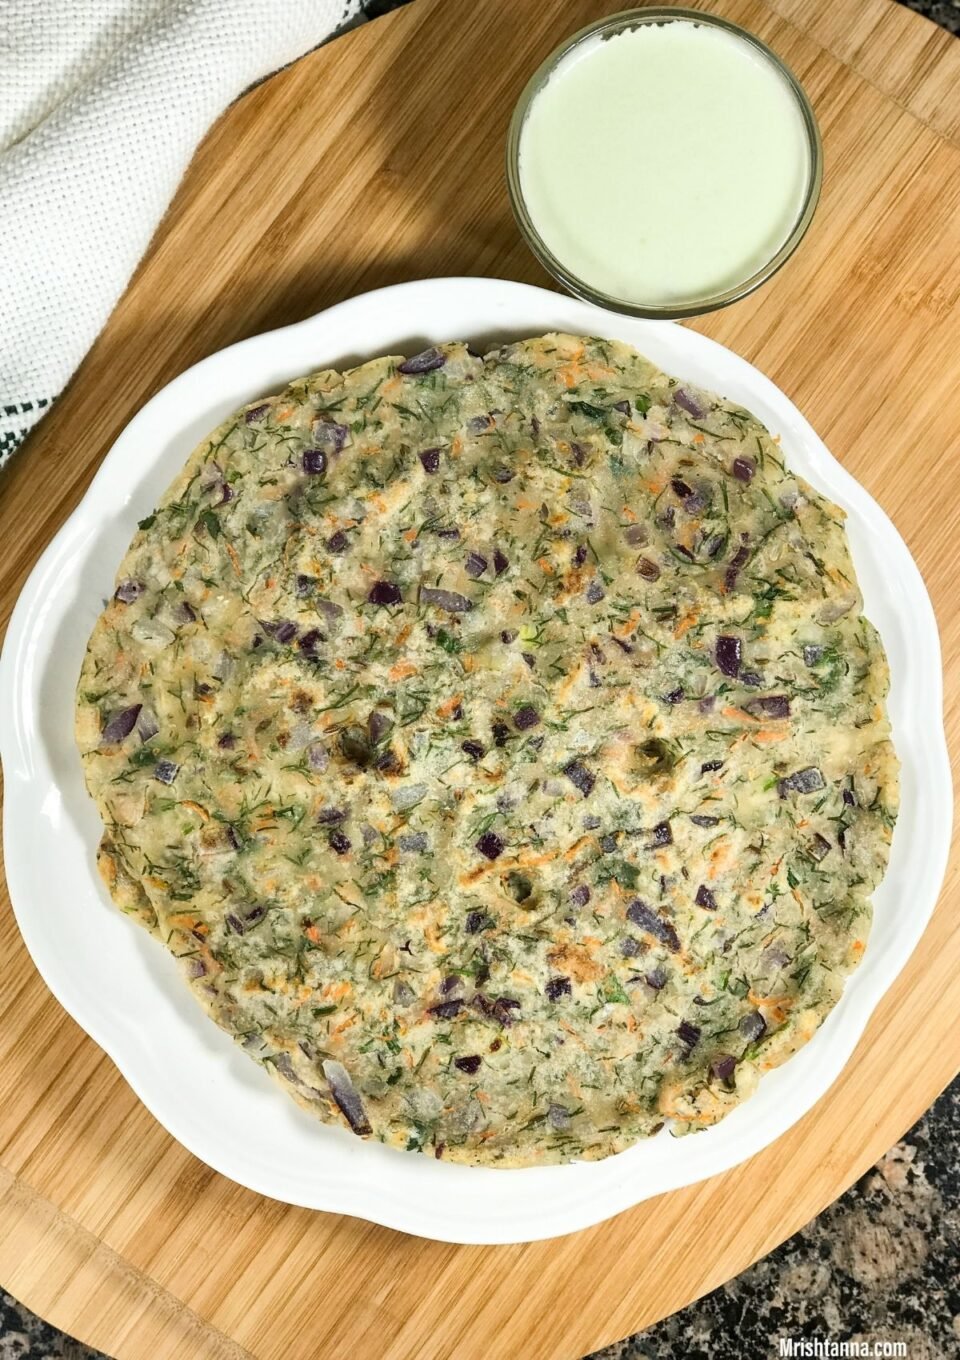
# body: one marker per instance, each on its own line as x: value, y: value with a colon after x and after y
x: 882, y: 1263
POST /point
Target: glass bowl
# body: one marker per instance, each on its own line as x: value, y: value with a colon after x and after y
x: 692, y: 306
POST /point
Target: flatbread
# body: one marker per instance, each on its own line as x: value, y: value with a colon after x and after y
x: 498, y: 745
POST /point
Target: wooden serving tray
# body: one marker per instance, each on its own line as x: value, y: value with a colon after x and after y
x: 380, y: 158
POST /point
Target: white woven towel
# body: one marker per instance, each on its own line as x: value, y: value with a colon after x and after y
x: 102, y: 103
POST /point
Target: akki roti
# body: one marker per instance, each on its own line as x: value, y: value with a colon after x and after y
x: 498, y: 745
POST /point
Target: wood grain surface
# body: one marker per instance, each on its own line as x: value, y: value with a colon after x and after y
x: 373, y: 160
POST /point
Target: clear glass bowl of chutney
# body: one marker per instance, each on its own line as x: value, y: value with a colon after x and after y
x: 663, y: 163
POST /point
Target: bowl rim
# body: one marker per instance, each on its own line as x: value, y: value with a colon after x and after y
x: 619, y: 22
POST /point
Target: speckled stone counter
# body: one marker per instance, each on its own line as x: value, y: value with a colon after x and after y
x: 880, y: 1264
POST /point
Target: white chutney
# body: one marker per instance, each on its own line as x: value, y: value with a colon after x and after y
x: 664, y: 163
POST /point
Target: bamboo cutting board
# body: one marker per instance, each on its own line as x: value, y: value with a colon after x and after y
x: 377, y: 159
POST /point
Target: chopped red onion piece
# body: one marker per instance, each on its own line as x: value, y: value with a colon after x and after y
x: 735, y: 566
x: 802, y: 781
x: 430, y: 460
x: 378, y: 725
x: 256, y: 412
x: 166, y: 771
x: 772, y: 705
x: 490, y: 845
x: 128, y: 590
x: 722, y: 1067
x: 470, y: 1063
x: 557, y: 987
x: 424, y: 362
x: 120, y: 724
x: 819, y: 847
x: 503, y: 1009
x: 448, y: 600
x: 700, y: 819
x: 345, y: 1094
x: 728, y: 653
x: 475, y: 565
x: 384, y: 592
x: 744, y: 469
x: 314, y: 462
x: 558, y: 1118
x: 688, y: 1034
x: 147, y: 725
x: 281, y: 630
x: 308, y: 644
x: 691, y: 403
x: 285, y: 1067
x: 812, y: 654
x: 403, y: 993
x: 705, y: 898
x: 835, y: 609
x: 753, y: 1026
x: 648, y: 570
x: 526, y: 717
x: 338, y: 542
x: 580, y: 777
x: 330, y: 435
x: 331, y: 611
x: 500, y: 562
x: 447, y: 1010
x: 500, y: 732
x: 473, y: 749
x: 339, y: 842
x: 595, y: 592
x: 407, y: 796
x: 642, y: 915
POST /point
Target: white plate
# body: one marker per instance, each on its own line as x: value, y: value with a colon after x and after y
x: 124, y: 990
